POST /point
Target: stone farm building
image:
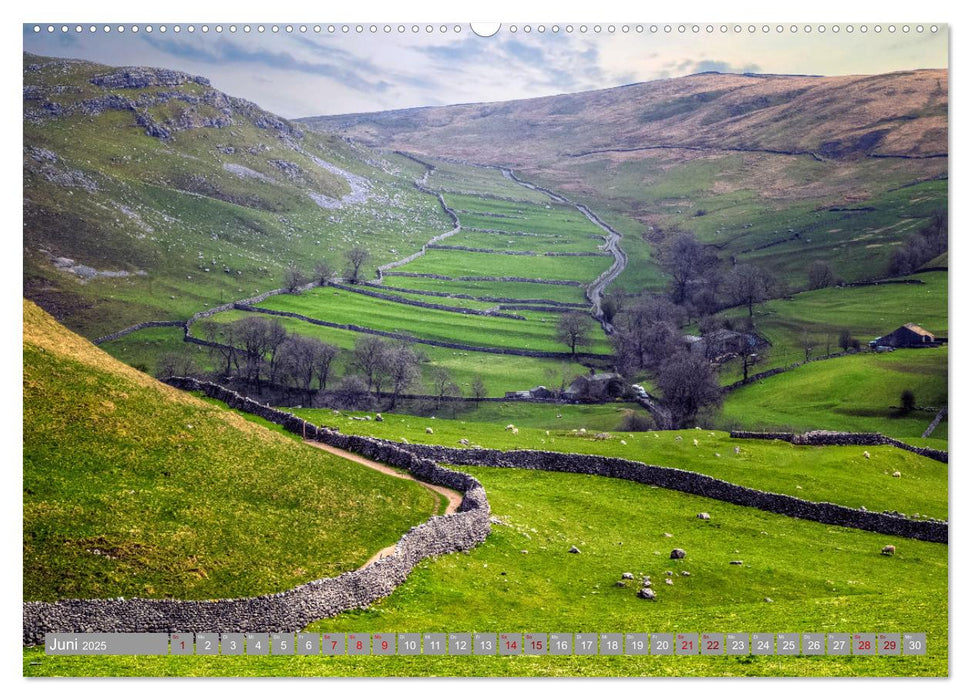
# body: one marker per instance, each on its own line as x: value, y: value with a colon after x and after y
x: 909, y: 335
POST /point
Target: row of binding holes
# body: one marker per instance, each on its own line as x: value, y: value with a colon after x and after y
x: 444, y: 28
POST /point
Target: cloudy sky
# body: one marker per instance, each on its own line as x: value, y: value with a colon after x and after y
x: 304, y: 74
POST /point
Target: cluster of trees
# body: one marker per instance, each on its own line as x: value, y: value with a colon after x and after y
x: 355, y: 258
x: 259, y: 350
x: 922, y: 247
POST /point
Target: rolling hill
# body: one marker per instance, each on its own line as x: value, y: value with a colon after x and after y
x: 773, y: 169
x: 150, y: 195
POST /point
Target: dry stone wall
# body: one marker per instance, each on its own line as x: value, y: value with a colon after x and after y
x: 137, y: 327
x: 294, y: 609
x: 689, y: 482
x: 831, y: 437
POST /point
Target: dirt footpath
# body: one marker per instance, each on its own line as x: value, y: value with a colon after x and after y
x: 454, y: 497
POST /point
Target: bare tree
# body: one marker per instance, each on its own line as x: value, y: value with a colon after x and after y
x: 351, y: 392
x: 223, y: 344
x: 443, y: 385
x: 401, y: 364
x: 356, y: 258
x: 479, y: 390
x: 749, y: 285
x: 293, y: 279
x: 808, y: 344
x: 574, y: 329
x: 687, y: 261
x: 177, y: 364
x: 688, y: 385
x: 646, y: 333
x: 276, y: 334
x: 251, y: 333
x: 821, y: 275
x: 324, y: 357
x: 367, y: 357
x: 303, y: 359
x: 846, y: 339
x: 322, y: 272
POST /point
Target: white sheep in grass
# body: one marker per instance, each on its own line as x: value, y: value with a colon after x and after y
x: 515, y: 431
x: 510, y: 426
x: 695, y: 441
x: 866, y: 454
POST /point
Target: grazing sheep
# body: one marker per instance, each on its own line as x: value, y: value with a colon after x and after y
x: 583, y: 431
x: 677, y: 438
x: 738, y: 450
x: 896, y: 475
x: 623, y: 442
x: 704, y: 516
x: 866, y: 454
x: 515, y: 431
x: 889, y: 550
x: 429, y: 431
x: 695, y: 441
x: 510, y: 426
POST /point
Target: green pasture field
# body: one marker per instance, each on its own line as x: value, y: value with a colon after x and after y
x: 857, y: 392
x: 850, y: 215
x: 143, y: 349
x: 554, y: 242
x: 537, y: 332
x: 552, y: 217
x: 444, y: 301
x: 453, y: 178
x: 840, y: 475
x: 132, y: 488
x: 501, y: 290
x: 796, y: 576
x: 867, y: 312
x: 500, y: 373
x: 453, y: 263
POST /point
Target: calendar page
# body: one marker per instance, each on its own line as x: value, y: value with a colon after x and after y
x: 485, y: 350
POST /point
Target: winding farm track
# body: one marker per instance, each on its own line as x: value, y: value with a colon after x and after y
x: 454, y: 498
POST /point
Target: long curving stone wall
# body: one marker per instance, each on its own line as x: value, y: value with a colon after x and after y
x: 294, y: 609
x: 688, y: 482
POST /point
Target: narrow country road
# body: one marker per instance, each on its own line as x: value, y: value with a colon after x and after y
x: 454, y: 497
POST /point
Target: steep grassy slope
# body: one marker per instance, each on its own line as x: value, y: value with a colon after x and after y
x: 148, y: 194
x: 134, y: 488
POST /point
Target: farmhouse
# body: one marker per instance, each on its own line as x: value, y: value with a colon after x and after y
x: 596, y: 387
x: 909, y: 335
x: 722, y: 342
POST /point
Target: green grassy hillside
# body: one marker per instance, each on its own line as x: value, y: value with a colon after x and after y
x: 841, y: 475
x: 149, y: 195
x: 859, y: 392
x: 132, y: 488
x: 795, y: 576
